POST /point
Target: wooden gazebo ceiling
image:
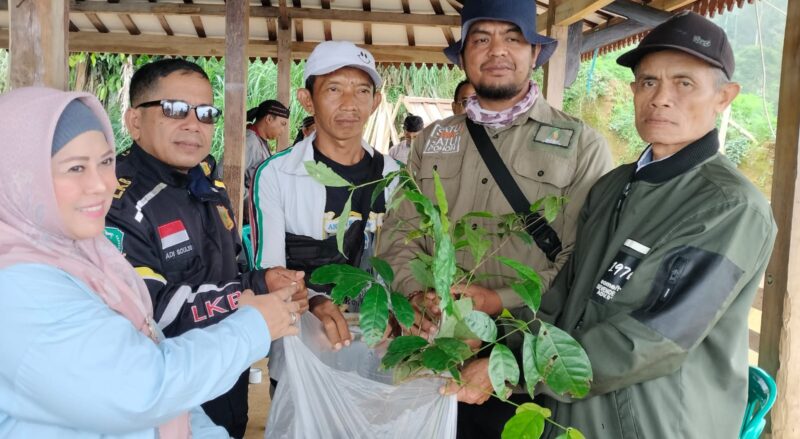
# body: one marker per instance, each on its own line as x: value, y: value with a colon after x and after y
x: 395, y: 31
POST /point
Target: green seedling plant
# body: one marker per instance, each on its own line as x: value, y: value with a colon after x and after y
x: 549, y: 355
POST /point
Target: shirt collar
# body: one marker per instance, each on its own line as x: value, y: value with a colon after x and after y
x: 687, y: 158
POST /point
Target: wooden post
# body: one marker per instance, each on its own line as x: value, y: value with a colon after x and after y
x: 237, y: 19
x: 555, y: 70
x: 780, y: 324
x: 38, y: 43
x: 284, y: 68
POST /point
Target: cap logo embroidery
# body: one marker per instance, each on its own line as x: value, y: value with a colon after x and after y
x: 364, y: 57
x: 698, y: 40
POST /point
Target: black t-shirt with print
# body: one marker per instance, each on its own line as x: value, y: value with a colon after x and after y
x: 336, y: 197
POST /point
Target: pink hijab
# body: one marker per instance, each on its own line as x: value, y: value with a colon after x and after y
x: 30, y: 226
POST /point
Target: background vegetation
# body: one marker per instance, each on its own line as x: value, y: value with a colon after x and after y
x: 600, y: 95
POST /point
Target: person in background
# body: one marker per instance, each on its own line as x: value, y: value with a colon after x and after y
x: 412, y: 125
x: 463, y: 90
x: 544, y: 152
x: 175, y: 224
x: 296, y: 217
x: 306, y: 128
x: 82, y: 356
x: 267, y: 122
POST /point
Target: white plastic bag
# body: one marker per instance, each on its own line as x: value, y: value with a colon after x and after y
x: 326, y: 394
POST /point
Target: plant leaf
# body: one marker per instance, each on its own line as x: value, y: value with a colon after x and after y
x: 553, y: 205
x: 405, y: 370
x: 344, y: 290
x: 455, y: 348
x: 525, y: 272
x: 374, y: 314
x: 441, y: 198
x: 403, y: 311
x: 481, y: 325
x: 562, y: 361
x: 379, y: 188
x: 571, y: 433
x: 421, y: 273
x: 436, y: 359
x: 338, y: 273
x: 533, y: 407
x: 401, y: 348
x: 530, y: 293
x: 341, y: 225
x: 478, y: 243
x: 323, y: 174
x: 502, y: 369
x: 529, y: 370
x: 383, y: 268
x: 526, y: 424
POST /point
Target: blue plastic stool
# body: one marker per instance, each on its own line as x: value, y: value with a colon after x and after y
x: 248, y: 246
x: 761, y: 395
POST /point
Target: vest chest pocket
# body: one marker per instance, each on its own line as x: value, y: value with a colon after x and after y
x: 542, y: 173
x: 447, y: 166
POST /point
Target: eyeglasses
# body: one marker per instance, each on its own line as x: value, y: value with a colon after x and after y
x: 175, y: 109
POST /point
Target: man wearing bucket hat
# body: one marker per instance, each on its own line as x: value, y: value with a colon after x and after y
x: 295, y: 216
x: 669, y: 255
x: 541, y: 150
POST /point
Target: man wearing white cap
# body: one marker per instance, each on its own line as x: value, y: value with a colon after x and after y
x: 295, y: 217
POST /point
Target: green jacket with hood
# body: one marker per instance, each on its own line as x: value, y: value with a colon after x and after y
x: 666, y: 264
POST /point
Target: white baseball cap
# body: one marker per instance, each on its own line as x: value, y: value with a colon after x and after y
x: 333, y: 55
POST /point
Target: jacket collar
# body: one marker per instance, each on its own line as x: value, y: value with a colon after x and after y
x: 158, y: 169
x: 304, y: 152
x: 687, y: 158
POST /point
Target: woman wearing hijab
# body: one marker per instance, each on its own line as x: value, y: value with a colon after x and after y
x: 81, y: 354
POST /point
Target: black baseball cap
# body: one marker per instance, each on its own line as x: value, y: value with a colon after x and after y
x: 690, y: 33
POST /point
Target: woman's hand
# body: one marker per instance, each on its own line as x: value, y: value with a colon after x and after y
x: 277, y: 309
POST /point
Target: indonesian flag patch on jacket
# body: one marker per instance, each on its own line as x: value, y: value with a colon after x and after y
x: 172, y: 234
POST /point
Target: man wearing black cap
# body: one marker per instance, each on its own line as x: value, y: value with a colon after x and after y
x: 669, y: 255
x: 412, y: 125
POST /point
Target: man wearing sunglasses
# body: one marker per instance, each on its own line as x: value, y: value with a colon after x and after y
x: 174, y: 223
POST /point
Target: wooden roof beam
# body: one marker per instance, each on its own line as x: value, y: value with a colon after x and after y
x: 351, y: 16
x: 193, y: 46
x: 669, y: 5
x: 639, y: 12
x: 410, y: 28
x: 571, y: 11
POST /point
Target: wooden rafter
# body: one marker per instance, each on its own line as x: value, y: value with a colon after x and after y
x: 298, y: 25
x: 165, y: 25
x: 97, y: 23
x: 129, y: 24
x: 72, y: 27
x: 193, y: 46
x: 571, y: 11
x: 409, y: 27
x: 638, y: 12
x: 324, y: 14
x: 197, y: 22
x: 367, y: 6
x: 448, y: 33
x: 271, y: 28
x: 326, y: 4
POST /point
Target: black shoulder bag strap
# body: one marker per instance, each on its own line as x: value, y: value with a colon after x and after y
x: 544, y: 235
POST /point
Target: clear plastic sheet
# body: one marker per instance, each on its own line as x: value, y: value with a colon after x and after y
x: 327, y: 394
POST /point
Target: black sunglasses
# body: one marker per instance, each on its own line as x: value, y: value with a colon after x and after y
x: 175, y: 109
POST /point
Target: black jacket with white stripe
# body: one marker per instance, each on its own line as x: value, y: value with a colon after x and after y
x: 179, y: 232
